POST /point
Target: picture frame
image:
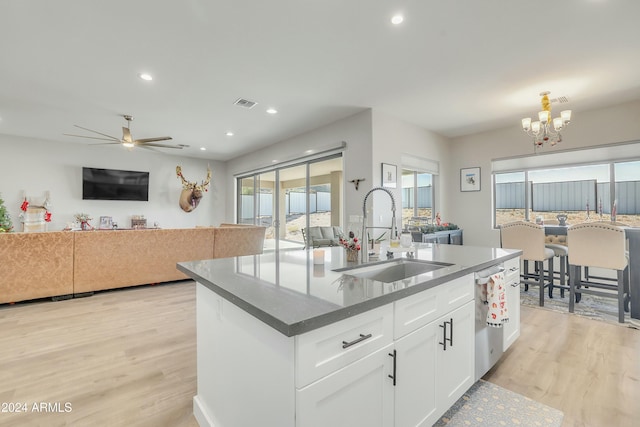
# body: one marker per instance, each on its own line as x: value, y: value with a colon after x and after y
x: 105, y: 223
x: 389, y: 175
x: 470, y: 179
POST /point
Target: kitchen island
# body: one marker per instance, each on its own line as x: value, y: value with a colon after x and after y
x: 282, y: 341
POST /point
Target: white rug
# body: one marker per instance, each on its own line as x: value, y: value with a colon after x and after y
x: 486, y: 404
x: 590, y: 306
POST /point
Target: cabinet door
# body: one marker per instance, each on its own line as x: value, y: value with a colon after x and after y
x: 415, y: 391
x: 454, y: 355
x: 358, y: 395
x: 512, y: 327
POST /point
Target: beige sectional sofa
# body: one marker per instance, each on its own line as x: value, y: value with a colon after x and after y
x: 38, y: 265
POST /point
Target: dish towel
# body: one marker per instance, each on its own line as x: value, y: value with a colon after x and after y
x: 498, y: 313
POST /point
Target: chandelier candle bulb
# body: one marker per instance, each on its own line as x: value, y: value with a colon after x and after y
x: 318, y: 256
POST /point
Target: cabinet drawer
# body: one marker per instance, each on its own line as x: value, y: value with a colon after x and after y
x: 512, y: 271
x: 325, y: 350
x: 420, y: 309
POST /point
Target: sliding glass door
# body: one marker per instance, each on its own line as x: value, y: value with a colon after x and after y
x: 289, y: 199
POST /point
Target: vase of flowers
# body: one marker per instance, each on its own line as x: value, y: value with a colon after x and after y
x: 84, y: 219
x: 352, y: 246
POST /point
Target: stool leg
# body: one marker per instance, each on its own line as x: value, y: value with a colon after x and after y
x: 551, y: 274
x: 620, y: 296
x: 540, y: 269
x: 526, y: 274
x: 627, y: 294
x: 563, y: 282
x: 573, y: 275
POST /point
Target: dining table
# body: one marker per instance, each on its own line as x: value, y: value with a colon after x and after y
x: 633, y: 236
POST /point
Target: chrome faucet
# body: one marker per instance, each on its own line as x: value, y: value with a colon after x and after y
x: 365, y: 253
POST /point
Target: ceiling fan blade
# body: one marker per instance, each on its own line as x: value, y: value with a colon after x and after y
x: 146, y: 144
x: 157, y: 139
x: 99, y: 133
x: 126, y: 134
x: 116, y: 141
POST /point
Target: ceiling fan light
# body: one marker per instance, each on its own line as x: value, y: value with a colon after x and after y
x: 128, y: 144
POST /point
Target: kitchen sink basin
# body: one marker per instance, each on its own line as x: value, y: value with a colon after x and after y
x: 394, y: 270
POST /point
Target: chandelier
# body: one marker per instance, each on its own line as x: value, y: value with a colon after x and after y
x: 545, y: 130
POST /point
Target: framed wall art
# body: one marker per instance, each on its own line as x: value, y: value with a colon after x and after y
x: 470, y: 179
x: 105, y: 223
x: 389, y: 175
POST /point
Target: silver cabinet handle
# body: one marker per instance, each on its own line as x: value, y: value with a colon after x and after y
x: 346, y: 344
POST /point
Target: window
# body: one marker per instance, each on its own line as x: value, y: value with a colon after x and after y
x: 581, y: 192
x: 290, y: 198
x: 417, y: 197
x: 509, y: 197
x: 627, y: 192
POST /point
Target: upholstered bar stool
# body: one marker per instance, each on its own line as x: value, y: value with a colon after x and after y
x: 529, y: 238
x: 587, y: 276
x: 598, y: 245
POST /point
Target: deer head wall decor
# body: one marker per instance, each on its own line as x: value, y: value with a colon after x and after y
x: 192, y: 192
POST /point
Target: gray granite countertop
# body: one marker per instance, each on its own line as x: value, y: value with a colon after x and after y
x: 287, y: 291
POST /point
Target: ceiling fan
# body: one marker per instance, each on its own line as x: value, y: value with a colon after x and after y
x: 127, y: 141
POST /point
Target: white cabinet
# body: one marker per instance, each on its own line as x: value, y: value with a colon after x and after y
x: 455, y: 362
x: 435, y: 366
x: 360, y: 394
x: 423, y: 372
x: 512, y: 283
x: 385, y: 367
x: 416, y: 388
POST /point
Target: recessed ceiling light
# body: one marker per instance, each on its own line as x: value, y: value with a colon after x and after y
x: 308, y: 151
x: 274, y: 161
x: 229, y: 133
x: 397, y: 19
x: 145, y: 76
x: 203, y: 149
x: 272, y: 111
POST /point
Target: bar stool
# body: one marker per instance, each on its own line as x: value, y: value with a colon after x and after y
x: 529, y: 238
x: 598, y: 245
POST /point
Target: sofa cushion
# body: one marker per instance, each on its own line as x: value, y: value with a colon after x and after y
x: 315, y: 233
x: 327, y: 232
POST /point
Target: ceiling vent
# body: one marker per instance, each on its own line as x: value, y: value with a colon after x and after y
x: 560, y: 100
x: 245, y: 103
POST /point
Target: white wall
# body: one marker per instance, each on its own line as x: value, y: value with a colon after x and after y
x: 36, y: 166
x: 354, y: 130
x: 372, y: 138
x: 393, y: 138
x: 473, y: 211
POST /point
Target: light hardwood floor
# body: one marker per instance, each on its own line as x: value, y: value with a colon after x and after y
x: 127, y: 358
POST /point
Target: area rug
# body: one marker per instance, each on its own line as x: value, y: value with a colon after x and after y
x: 486, y: 404
x: 590, y: 306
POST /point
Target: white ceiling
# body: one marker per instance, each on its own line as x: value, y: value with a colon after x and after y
x: 453, y: 67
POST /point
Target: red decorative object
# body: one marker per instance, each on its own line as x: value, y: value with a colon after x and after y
x: 47, y: 216
x: 24, y: 205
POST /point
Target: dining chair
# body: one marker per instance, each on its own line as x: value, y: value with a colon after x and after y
x: 530, y: 239
x: 601, y: 245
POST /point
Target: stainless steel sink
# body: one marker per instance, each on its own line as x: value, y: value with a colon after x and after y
x: 394, y: 270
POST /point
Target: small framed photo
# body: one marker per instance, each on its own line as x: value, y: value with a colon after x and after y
x: 389, y: 175
x: 106, y: 223
x: 470, y: 179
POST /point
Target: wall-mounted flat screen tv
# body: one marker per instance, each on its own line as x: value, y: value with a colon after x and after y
x: 112, y: 184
